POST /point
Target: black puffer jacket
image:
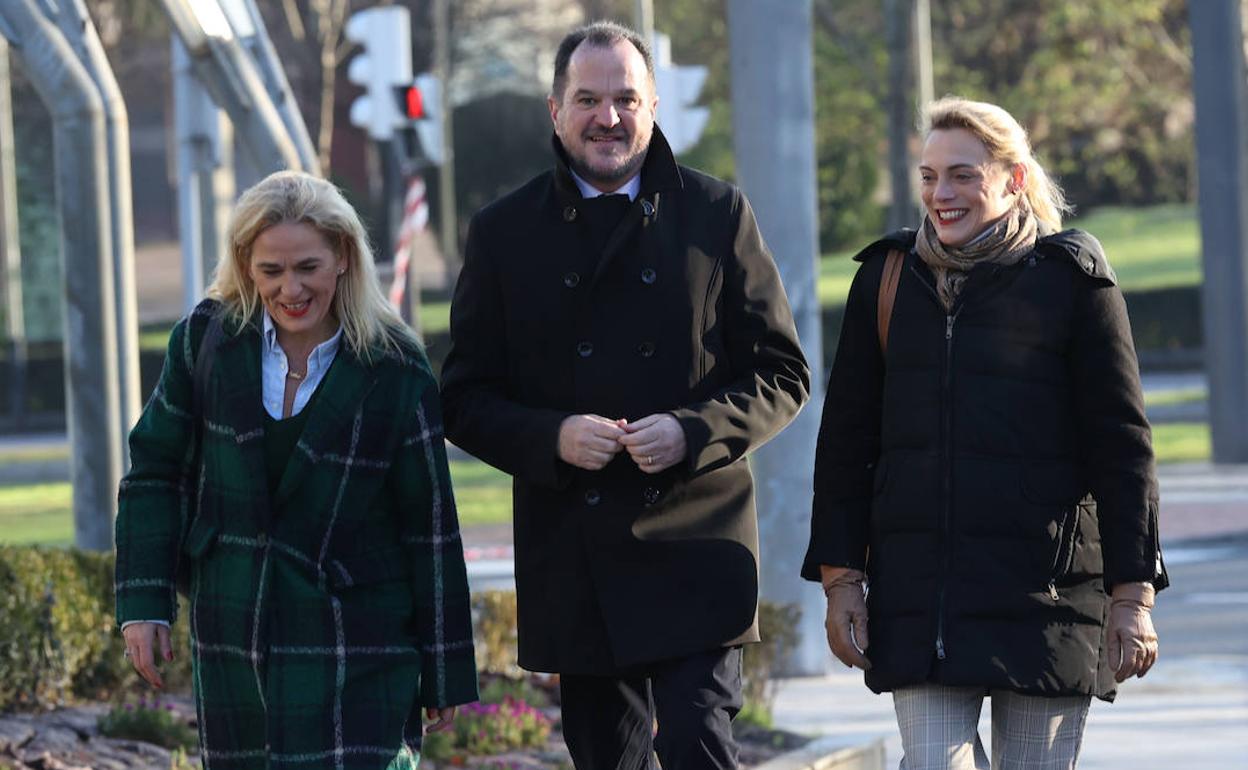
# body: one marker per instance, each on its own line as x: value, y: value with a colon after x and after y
x: 993, y: 474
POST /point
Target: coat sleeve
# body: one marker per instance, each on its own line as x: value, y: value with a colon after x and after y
x: 1115, y: 437
x: 770, y: 378
x: 849, y: 434
x: 153, y: 498
x: 430, y: 527
x: 481, y: 417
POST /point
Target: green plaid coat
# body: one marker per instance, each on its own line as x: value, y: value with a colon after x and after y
x: 323, y: 619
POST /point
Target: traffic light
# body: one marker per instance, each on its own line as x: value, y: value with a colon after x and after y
x: 385, y: 34
x: 678, y: 88
x: 420, y: 104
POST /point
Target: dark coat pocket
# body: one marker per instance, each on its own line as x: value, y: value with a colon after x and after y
x: 200, y: 537
x: 370, y: 567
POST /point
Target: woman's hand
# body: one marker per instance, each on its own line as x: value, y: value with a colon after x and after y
x: 142, y: 640
x: 440, y: 719
x: 847, y: 615
x: 1132, y: 639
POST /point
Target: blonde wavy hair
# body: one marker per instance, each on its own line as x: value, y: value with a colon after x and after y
x: 369, y: 323
x: 1007, y: 143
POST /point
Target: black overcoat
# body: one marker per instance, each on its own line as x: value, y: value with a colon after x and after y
x: 993, y: 472
x: 682, y: 312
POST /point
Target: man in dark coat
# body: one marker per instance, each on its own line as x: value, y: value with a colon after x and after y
x: 619, y: 355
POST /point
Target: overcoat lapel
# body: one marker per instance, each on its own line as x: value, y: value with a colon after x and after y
x: 619, y: 237
x: 236, y: 379
x: 658, y: 173
x: 328, y: 427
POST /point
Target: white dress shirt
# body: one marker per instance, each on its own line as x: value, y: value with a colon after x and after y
x: 274, y: 366
x: 629, y: 188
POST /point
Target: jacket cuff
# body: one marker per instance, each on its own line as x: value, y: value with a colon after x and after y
x: 154, y: 602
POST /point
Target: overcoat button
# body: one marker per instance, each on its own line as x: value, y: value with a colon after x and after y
x: 571, y: 280
x: 584, y: 349
x: 648, y: 275
x: 646, y: 349
x: 592, y: 497
x: 650, y: 495
x: 647, y: 208
x: 569, y: 214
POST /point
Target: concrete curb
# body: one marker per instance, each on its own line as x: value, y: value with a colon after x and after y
x: 830, y: 753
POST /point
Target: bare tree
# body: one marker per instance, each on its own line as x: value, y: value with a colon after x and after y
x: 315, y: 30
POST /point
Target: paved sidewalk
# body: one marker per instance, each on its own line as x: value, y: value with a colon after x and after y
x: 1189, y: 713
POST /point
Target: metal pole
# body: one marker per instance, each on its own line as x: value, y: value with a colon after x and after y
x: 923, y: 54
x: 81, y: 142
x: 270, y: 67
x: 187, y: 95
x: 1218, y: 81
x: 79, y: 31
x: 205, y: 176
x: 448, y: 221
x: 11, y: 250
x: 775, y: 151
x: 230, y: 75
x: 902, y: 212
x: 643, y: 12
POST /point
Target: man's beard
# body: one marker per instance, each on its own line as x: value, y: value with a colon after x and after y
x: 620, y: 172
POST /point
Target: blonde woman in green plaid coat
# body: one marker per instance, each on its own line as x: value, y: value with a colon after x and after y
x: 328, y: 596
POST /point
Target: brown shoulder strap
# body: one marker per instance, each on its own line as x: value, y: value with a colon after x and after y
x: 888, y: 294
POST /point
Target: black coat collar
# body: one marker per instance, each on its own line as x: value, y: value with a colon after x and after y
x: 659, y: 171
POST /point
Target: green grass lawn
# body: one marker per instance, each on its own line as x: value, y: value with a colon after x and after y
x: 482, y: 493
x: 1150, y: 248
x: 1173, y: 397
x: 1178, y: 442
x: 37, y: 513
x: 41, y: 513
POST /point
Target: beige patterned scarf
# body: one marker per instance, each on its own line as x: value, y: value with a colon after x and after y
x: 1005, y: 243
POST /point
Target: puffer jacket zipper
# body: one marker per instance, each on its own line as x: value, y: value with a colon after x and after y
x: 1067, y: 531
x: 945, y: 532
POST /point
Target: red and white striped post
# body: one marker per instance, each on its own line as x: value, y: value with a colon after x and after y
x: 415, y: 219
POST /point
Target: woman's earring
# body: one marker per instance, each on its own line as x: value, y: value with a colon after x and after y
x: 342, y: 271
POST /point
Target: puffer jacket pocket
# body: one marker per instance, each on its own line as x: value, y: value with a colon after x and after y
x: 1055, y: 488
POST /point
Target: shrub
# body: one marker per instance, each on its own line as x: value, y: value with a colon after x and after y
x: 494, y: 623
x: 491, y: 728
x: 437, y: 747
x: 497, y: 689
x: 777, y: 625
x: 58, y: 638
x: 149, y: 721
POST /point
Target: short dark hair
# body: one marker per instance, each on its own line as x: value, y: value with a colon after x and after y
x: 601, y: 34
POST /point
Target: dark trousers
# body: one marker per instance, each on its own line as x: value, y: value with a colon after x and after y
x: 608, y: 721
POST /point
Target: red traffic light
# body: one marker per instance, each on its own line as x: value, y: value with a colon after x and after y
x: 413, y: 103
